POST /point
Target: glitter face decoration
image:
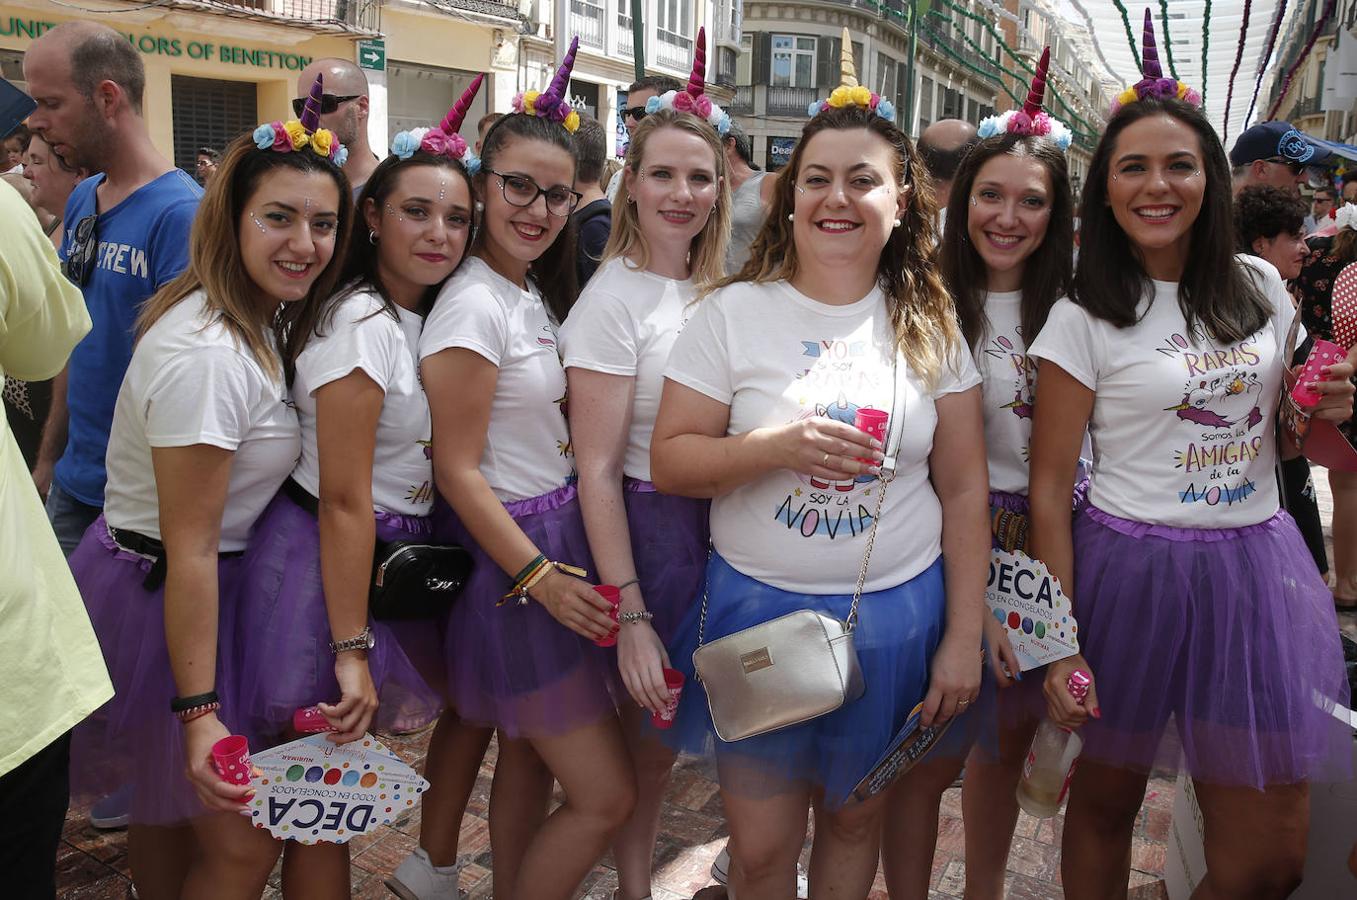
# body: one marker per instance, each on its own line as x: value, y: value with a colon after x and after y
x: 258, y: 224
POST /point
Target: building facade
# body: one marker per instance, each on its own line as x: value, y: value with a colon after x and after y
x: 1301, y: 98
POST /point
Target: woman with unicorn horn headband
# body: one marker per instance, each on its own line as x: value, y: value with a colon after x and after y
x: 203, y: 435
x: 840, y: 297
x: 1204, y: 626
x: 364, y: 478
x: 1006, y: 259
x: 522, y: 646
x: 669, y: 230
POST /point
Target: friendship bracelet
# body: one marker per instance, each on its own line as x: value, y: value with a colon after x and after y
x: 540, y: 571
x: 181, y: 704
x: 196, y: 712
x: 528, y: 569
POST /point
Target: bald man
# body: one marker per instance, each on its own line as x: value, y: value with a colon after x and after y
x: 942, y: 146
x: 344, y: 110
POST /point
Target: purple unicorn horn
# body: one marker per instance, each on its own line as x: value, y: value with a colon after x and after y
x: 1149, y: 56
x: 452, y: 122
x: 560, y: 85
x: 311, y: 111
x: 1037, y: 91
x: 696, y: 81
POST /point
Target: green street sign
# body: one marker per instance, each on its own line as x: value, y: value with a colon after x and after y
x: 372, y: 54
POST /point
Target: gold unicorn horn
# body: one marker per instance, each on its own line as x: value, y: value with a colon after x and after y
x: 848, y: 76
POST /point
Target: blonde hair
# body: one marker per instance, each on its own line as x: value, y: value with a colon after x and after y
x: 707, y: 253
x: 921, y: 311
x: 215, y: 265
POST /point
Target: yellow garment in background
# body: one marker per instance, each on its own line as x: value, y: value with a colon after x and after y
x: 52, y: 672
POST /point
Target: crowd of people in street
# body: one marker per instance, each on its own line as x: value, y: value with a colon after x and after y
x: 610, y: 433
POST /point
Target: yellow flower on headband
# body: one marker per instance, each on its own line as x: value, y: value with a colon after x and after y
x: 530, y: 102
x: 841, y: 96
x: 1128, y: 96
x: 320, y: 141
x: 861, y: 96
x: 572, y: 122
x: 296, y: 133
x: 1182, y: 90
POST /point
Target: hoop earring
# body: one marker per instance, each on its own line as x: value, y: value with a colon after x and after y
x: 372, y: 238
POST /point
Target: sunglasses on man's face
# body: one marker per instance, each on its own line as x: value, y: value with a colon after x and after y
x: 636, y: 112
x: 328, y: 103
x: 81, y: 252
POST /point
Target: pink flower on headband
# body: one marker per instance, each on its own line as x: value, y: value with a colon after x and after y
x: 281, y: 142
x: 456, y: 146
x: 435, y: 142
x: 702, y: 105
x: 1019, y: 123
x: 1041, y: 123
x: 683, y: 101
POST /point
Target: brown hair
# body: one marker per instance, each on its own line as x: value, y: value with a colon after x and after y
x: 921, y: 311
x: 707, y: 252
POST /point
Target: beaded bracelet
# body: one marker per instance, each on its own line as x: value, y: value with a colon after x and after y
x: 631, y: 618
x: 196, y: 712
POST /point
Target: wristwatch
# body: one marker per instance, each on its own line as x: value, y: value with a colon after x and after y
x: 361, y: 641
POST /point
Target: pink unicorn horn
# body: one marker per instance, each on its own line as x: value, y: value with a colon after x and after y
x: 696, y: 81
x: 1037, y: 91
x: 311, y: 111
x: 452, y: 122
x: 560, y: 85
x: 1149, y: 56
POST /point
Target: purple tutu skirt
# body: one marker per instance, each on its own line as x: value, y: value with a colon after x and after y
x: 1217, y: 646
x: 133, y: 740
x: 283, y: 639
x: 669, y: 542
x: 514, y: 667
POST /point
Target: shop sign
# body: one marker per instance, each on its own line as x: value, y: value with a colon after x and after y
x: 780, y: 151
x: 157, y: 45
x: 372, y: 55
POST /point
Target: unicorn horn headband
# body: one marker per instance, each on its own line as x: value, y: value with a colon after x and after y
x: 1031, y: 119
x: 443, y: 139
x: 693, y: 98
x: 1153, y: 83
x: 849, y: 92
x: 297, y: 134
x: 552, y: 103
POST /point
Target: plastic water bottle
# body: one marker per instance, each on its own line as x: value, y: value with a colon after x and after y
x: 1051, y: 760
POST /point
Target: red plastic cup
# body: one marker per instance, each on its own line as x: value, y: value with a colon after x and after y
x: 231, y: 759
x: 673, y: 679
x: 310, y: 720
x: 872, y: 421
x: 614, y: 598
x: 1323, y: 353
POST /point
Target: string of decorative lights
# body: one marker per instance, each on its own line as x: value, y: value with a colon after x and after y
x: 1206, y: 46
x: 1267, y: 54
x: 1238, y: 58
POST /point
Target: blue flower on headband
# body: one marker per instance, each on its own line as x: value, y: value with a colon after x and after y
x: 886, y: 110
x: 405, y: 144
x: 724, y: 125
x: 813, y: 109
x: 263, y: 136
x: 472, y: 163
x: 1063, y: 140
x: 341, y: 156
x: 652, y: 105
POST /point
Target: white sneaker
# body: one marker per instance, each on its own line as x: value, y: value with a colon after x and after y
x: 418, y: 879
x: 720, y: 873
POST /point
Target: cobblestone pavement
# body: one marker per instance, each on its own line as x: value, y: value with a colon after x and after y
x: 93, y: 864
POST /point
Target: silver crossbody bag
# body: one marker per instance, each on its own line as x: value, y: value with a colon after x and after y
x: 796, y: 667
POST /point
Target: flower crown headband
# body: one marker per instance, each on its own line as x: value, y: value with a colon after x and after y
x: 1031, y: 119
x: 693, y: 98
x: 443, y: 139
x: 295, y: 135
x: 849, y: 92
x: 1154, y: 84
x: 552, y: 103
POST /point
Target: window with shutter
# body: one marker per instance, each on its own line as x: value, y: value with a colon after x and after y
x: 209, y: 113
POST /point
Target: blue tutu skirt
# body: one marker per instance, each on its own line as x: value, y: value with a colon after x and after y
x: 514, y: 667
x: 669, y: 543
x: 133, y: 740
x: 898, y: 630
x: 283, y: 640
x: 1217, y: 646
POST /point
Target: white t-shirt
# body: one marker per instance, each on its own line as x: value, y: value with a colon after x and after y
x: 625, y: 323
x: 527, y: 450
x: 362, y: 335
x: 1009, y: 378
x: 189, y: 383
x: 775, y: 356
x: 1183, y: 427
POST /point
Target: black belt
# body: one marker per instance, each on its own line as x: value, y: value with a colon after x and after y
x: 302, y: 497
x: 142, y: 545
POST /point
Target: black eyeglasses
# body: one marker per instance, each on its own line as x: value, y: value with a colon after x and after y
x: 1315, y: 176
x: 522, y: 191
x: 328, y: 103
x: 81, y: 252
x: 636, y: 112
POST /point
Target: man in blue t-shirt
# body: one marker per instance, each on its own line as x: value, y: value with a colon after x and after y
x: 126, y: 235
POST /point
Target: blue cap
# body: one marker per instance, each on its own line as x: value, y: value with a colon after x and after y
x: 1278, y: 140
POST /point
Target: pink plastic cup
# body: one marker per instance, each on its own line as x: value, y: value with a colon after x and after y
x: 310, y: 720
x: 231, y: 759
x: 673, y: 679
x: 872, y: 421
x: 1323, y: 353
x: 614, y: 598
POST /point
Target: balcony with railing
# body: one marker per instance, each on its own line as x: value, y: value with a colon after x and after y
x: 673, y: 50
x: 355, y: 16
x: 586, y: 20
x: 790, y: 101
x: 742, y: 104
x: 625, y: 45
